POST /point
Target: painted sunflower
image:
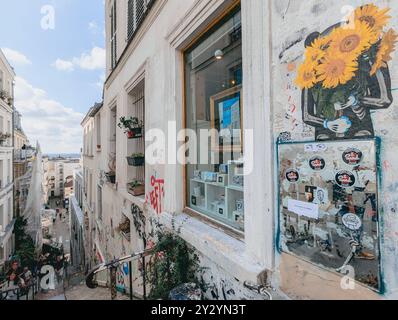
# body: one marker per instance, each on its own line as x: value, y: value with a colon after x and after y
x: 317, y: 50
x: 352, y: 42
x: 386, y: 48
x: 373, y: 16
x: 306, y: 77
x: 336, y: 70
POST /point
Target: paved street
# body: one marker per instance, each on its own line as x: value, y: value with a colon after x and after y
x: 61, y: 228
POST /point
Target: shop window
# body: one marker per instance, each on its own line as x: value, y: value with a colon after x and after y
x: 213, y: 90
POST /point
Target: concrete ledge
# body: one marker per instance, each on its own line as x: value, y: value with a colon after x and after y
x: 225, y: 251
x: 305, y: 281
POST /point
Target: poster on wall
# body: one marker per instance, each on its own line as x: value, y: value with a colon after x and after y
x: 328, y: 206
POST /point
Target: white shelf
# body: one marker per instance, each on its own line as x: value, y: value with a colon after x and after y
x: 210, y: 192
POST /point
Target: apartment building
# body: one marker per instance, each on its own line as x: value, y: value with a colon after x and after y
x: 93, y: 183
x: 56, y: 172
x: 297, y: 202
x: 77, y: 223
x: 23, y: 157
x: 7, y: 220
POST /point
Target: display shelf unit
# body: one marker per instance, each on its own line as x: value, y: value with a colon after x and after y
x: 216, y: 200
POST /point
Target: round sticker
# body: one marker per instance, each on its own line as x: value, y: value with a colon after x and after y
x: 317, y: 163
x: 352, y: 156
x: 352, y: 221
x: 345, y: 179
x: 292, y: 176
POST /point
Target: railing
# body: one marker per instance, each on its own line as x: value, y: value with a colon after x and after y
x: 260, y: 289
x: 23, y: 155
x: 112, y: 268
x: 28, y: 292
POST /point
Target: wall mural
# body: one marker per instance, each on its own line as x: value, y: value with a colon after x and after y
x: 345, y: 75
x: 329, y: 212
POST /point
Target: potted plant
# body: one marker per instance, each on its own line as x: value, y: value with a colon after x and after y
x: 132, y: 127
x: 111, y: 175
x: 136, y: 188
x: 136, y: 160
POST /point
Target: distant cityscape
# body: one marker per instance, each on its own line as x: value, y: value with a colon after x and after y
x: 63, y: 155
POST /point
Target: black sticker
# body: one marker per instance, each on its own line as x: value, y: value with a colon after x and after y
x: 345, y: 179
x: 292, y: 176
x: 317, y: 163
x: 352, y: 156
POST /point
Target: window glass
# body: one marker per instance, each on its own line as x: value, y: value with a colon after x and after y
x: 213, y: 89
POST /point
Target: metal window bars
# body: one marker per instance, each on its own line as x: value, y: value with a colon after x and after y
x: 137, y: 11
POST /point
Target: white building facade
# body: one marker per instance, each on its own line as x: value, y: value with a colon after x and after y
x: 226, y: 65
x: 7, y: 221
x: 56, y: 172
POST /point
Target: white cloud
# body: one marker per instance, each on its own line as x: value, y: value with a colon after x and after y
x: 63, y: 65
x: 16, y: 57
x: 93, y: 60
x: 93, y: 26
x: 55, y: 126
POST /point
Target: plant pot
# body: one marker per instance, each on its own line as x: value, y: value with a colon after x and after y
x: 134, y: 133
x: 137, y: 191
x: 111, y: 178
x: 136, y: 161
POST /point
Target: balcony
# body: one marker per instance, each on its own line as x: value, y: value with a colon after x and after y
x: 6, y: 233
x: 5, y: 139
x: 23, y: 155
x: 5, y: 188
x: 6, y: 98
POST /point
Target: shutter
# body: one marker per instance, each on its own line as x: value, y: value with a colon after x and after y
x: 130, y: 21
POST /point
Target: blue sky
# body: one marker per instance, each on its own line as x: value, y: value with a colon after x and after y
x: 59, y: 71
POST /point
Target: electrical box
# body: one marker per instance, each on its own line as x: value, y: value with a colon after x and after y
x: 328, y: 206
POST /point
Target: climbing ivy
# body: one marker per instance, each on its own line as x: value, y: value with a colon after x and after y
x: 174, y: 263
x: 25, y: 248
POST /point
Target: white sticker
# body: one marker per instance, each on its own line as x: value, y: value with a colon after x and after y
x: 352, y: 221
x: 315, y: 147
x: 321, y: 196
x: 305, y: 209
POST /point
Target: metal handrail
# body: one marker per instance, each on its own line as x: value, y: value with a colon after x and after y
x: 260, y: 289
x: 92, y: 284
x: 21, y: 292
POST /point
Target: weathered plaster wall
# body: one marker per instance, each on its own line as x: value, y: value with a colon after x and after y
x: 292, y: 22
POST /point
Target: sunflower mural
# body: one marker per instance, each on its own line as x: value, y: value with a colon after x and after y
x: 345, y: 74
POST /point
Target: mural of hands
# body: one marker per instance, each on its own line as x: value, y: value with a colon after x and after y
x: 341, y: 125
x: 352, y: 102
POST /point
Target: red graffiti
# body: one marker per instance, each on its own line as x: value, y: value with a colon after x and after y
x: 156, y: 195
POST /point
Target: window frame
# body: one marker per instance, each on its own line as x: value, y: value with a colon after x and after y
x: 226, y: 228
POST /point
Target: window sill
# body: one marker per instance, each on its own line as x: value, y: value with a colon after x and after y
x: 128, y: 196
x: 225, y: 250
